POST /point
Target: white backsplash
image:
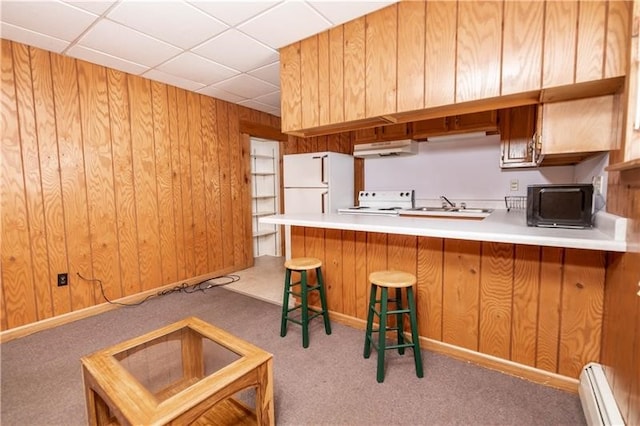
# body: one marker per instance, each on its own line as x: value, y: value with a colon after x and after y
x: 468, y: 171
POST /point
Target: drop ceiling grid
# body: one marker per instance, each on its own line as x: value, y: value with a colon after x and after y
x: 226, y: 49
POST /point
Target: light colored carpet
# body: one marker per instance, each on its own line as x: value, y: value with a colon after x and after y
x: 330, y: 383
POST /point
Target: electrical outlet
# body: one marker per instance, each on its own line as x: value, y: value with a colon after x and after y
x: 597, y: 185
x: 63, y: 279
x: 514, y: 185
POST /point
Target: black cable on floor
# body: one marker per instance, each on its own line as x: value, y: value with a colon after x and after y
x: 184, y: 288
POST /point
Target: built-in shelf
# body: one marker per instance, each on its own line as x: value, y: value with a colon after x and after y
x: 264, y: 200
x: 264, y: 233
x: 263, y: 213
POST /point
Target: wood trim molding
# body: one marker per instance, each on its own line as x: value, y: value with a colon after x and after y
x: 46, y: 324
x: 262, y: 131
x: 532, y: 374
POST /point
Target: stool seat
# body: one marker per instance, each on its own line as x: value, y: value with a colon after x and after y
x: 383, y: 281
x: 392, y: 279
x: 303, y: 263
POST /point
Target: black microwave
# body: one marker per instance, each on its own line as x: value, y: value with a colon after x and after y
x: 560, y: 206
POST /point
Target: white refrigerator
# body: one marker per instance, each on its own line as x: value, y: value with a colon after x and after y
x: 318, y: 182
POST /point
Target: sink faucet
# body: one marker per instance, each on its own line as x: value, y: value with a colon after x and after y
x: 446, y: 201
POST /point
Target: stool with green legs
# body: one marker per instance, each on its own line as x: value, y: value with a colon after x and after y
x: 398, y: 280
x: 302, y: 265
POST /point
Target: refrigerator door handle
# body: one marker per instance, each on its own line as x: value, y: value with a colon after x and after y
x: 322, y: 168
x: 324, y: 201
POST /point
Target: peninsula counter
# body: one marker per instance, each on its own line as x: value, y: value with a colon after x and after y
x: 526, y: 301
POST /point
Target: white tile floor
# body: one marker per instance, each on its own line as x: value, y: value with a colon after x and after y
x: 264, y: 280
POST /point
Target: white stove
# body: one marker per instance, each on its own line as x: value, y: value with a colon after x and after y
x: 384, y: 203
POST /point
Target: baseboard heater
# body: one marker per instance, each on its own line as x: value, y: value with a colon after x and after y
x: 598, y: 402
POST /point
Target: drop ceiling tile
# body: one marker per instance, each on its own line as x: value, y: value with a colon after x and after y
x: 234, y: 12
x: 94, y: 6
x: 271, y: 99
x: 53, y: 18
x: 32, y: 38
x: 250, y: 103
x: 173, y: 80
x: 339, y: 12
x: 246, y: 86
x: 285, y: 23
x: 105, y: 60
x: 174, y: 22
x: 269, y: 73
x: 220, y: 94
x: 197, y: 68
x: 122, y: 42
x: 237, y: 50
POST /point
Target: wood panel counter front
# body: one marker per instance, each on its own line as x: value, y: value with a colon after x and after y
x: 530, y: 305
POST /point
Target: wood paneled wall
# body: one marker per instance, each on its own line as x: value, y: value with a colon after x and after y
x: 621, y: 326
x: 117, y: 178
x: 537, y: 306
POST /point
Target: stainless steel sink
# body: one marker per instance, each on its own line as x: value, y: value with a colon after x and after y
x: 467, y: 212
x: 450, y: 209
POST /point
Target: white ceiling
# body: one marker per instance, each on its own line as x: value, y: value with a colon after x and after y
x: 225, y: 49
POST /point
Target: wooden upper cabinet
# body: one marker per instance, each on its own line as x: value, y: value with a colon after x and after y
x: 517, y: 129
x: 336, y: 75
x: 478, y: 121
x: 354, y: 61
x: 309, y: 82
x: 561, y: 19
x: 411, y: 56
x: 583, y: 125
x: 324, y: 97
x: 618, y: 37
x: 365, y: 135
x: 478, y: 50
x: 440, y: 53
x: 433, y: 126
x: 394, y: 131
x: 381, y: 54
x: 290, y: 96
x: 411, y: 40
x: 382, y: 133
x: 591, y: 41
x: 522, y: 46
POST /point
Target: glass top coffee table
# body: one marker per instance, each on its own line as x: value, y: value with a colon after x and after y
x: 187, y: 372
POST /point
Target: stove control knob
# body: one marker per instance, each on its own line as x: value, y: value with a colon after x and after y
x: 373, y: 194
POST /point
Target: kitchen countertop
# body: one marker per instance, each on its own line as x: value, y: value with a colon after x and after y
x: 500, y: 226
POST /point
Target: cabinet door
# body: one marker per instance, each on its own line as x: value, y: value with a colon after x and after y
x: 432, y: 127
x: 393, y: 132
x: 583, y: 125
x: 485, y: 120
x: 517, y: 128
x: 365, y: 135
x: 290, y: 87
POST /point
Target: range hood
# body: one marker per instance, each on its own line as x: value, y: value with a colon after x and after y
x: 397, y: 148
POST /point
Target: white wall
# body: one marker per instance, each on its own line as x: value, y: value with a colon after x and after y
x: 465, y: 170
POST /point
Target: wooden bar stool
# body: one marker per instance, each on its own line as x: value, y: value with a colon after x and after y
x: 384, y: 280
x: 302, y: 265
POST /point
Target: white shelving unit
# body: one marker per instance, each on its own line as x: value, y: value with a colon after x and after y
x: 264, y: 176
